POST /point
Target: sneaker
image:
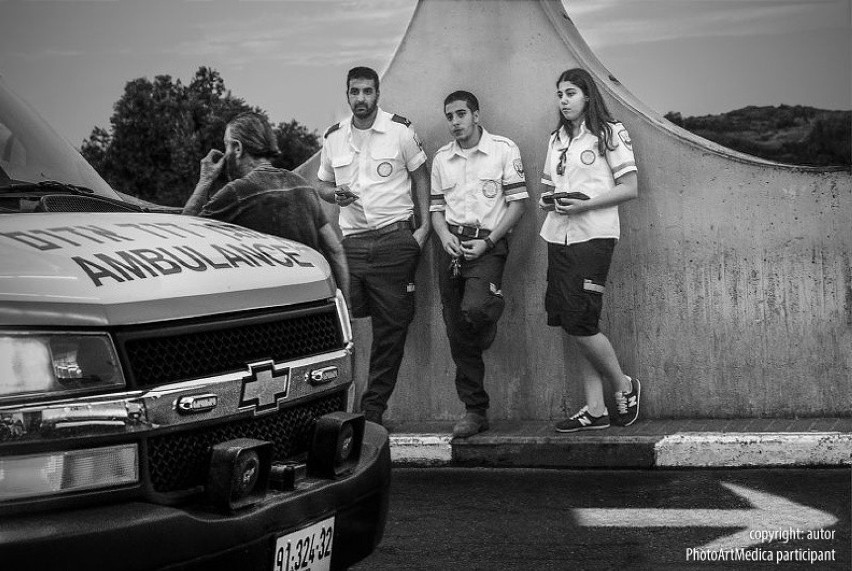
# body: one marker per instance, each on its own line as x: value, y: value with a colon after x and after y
x: 472, y: 423
x: 627, y: 403
x: 583, y: 421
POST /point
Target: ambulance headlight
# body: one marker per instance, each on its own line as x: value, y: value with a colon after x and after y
x: 37, y: 364
x: 50, y: 473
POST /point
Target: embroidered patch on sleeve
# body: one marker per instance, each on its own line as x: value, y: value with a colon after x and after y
x: 519, y: 167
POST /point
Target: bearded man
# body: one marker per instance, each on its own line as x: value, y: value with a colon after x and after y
x: 373, y: 167
x: 262, y: 197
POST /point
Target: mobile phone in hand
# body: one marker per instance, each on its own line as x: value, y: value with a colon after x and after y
x: 571, y: 195
x: 346, y: 193
x: 549, y: 198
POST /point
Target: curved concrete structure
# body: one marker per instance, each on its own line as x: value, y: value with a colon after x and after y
x: 731, y: 288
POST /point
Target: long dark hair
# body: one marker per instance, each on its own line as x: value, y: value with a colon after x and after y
x: 254, y: 132
x: 598, y: 118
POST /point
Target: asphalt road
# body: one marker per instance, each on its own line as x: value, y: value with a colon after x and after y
x: 533, y: 519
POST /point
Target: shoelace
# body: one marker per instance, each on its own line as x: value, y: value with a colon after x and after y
x: 581, y: 412
x: 621, y: 402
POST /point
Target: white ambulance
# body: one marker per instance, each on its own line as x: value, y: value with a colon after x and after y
x: 175, y: 392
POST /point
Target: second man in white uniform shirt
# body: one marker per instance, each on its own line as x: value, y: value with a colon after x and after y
x: 478, y: 195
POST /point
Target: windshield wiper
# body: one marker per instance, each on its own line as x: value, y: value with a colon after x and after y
x: 48, y: 186
x: 48, y: 192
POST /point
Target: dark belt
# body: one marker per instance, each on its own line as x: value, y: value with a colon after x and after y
x: 392, y: 227
x: 469, y: 231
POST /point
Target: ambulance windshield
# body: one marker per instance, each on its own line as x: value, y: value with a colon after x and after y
x: 32, y: 152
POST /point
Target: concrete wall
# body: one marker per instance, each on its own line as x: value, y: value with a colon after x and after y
x: 731, y: 289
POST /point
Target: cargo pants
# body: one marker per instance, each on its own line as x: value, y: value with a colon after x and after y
x: 472, y: 304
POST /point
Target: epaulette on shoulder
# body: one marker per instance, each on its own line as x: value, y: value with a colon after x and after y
x: 331, y: 130
x: 401, y: 119
x: 501, y: 139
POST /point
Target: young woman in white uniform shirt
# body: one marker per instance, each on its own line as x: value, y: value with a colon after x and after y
x: 588, y: 172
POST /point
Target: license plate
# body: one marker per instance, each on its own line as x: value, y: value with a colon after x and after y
x: 308, y: 549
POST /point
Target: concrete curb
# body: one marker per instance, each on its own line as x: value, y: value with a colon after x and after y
x: 714, y: 450
x: 679, y: 450
x: 421, y: 449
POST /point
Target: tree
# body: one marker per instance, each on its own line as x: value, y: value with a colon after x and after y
x: 160, y: 130
x: 794, y: 135
x: 296, y: 144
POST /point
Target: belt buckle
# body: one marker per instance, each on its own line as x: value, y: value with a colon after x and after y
x: 468, y: 231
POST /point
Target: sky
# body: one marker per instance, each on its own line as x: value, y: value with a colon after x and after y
x: 70, y: 59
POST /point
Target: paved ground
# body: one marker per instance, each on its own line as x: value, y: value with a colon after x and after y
x: 520, y: 518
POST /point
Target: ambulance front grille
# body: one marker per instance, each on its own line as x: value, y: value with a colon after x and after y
x: 161, y: 355
x: 181, y: 461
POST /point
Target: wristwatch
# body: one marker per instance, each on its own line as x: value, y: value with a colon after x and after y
x: 489, y: 242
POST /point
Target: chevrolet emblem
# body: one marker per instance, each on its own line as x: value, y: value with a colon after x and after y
x: 265, y: 385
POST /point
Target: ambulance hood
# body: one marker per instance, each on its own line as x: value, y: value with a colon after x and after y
x: 87, y: 269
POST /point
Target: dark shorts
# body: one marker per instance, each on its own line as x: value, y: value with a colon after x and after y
x: 576, y: 276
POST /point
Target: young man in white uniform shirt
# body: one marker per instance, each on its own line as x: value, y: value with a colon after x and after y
x: 373, y: 167
x: 478, y: 195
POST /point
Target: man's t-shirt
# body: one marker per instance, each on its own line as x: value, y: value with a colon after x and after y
x: 273, y: 201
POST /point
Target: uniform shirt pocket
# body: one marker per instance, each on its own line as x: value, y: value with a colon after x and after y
x: 344, y: 168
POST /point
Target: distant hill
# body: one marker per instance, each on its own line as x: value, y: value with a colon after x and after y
x: 787, y: 134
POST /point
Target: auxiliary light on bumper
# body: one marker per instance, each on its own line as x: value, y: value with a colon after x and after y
x: 336, y: 446
x: 242, y: 470
x: 239, y: 473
